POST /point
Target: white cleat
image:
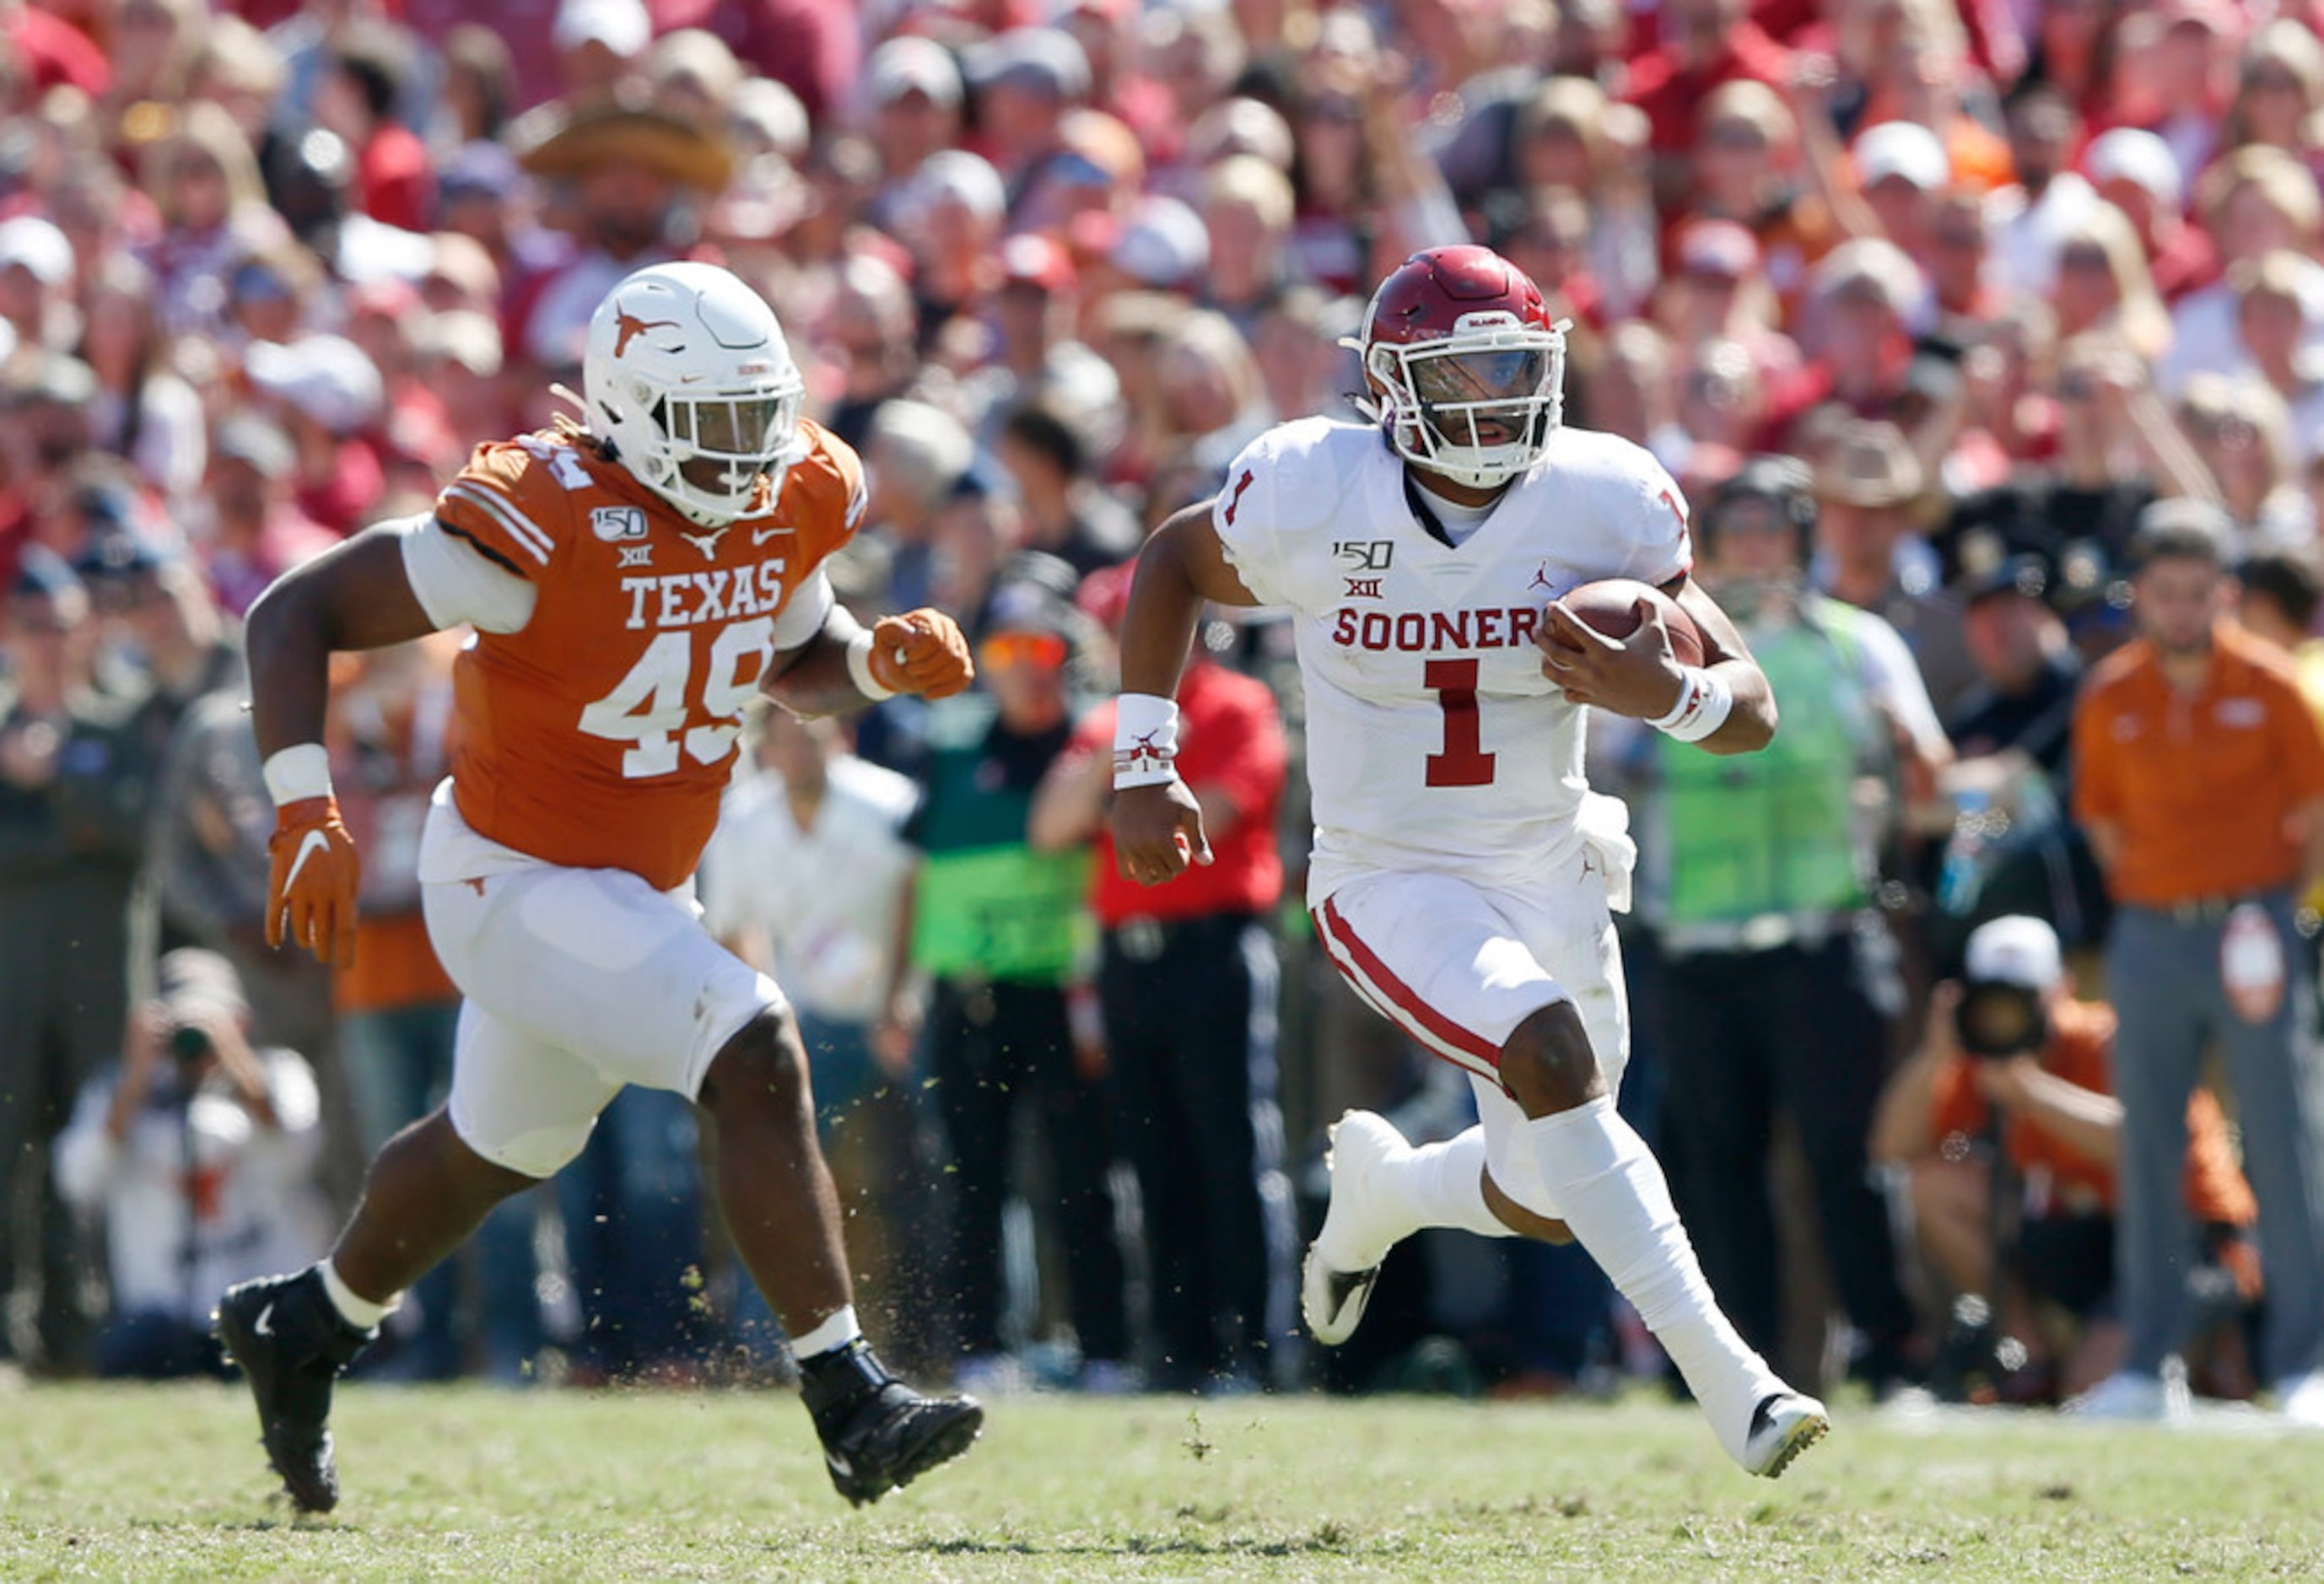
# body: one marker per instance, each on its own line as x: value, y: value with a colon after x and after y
x: 1784, y: 1425
x: 1332, y: 1299
x: 2130, y: 1396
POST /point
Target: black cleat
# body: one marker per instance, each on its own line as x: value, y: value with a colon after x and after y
x: 878, y: 1434
x: 291, y: 1345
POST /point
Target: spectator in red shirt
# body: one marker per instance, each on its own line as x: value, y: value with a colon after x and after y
x: 2073, y: 50
x: 1187, y: 989
x: 1705, y: 43
x: 2135, y: 172
x: 364, y: 81
x: 329, y: 398
x: 812, y: 47
x: 256, y: 532
x: 2171, y: 78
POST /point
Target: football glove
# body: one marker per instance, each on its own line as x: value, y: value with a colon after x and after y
x: 311, y: 878
x: 922, y: 651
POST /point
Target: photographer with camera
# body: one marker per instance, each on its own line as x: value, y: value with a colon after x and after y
x: 198, y: 1151
x: 2011, y: 1081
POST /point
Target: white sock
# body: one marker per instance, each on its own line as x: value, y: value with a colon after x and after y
x: 1594, y: 1167
x: 838, y: 1329
x: 359, y: 1311
x: 1443, y: 1185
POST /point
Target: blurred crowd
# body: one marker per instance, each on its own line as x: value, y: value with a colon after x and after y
x: 1959, y: 325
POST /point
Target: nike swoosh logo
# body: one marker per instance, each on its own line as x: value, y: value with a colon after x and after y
x: 264, y: 1325
x: 314, y: 843
x: 760, y: 535
x: 839, y: 1465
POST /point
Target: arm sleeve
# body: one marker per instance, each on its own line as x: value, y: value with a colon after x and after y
x: 1661, y: 547
x: 456, y: 582
x: 1894, y: 677
x: 2095, y: 796
x: 1244, y: 518
x: 804, y: 617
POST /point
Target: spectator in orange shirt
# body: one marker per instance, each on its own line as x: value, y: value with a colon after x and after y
x: 2046, y: 1097
x: 2199, y: 777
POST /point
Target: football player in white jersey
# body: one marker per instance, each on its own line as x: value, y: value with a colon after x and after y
x: 1463, y: 870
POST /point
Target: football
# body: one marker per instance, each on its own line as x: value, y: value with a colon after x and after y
x: 1610, y: 605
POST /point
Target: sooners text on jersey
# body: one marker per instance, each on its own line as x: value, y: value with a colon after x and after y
x: 601, y: 736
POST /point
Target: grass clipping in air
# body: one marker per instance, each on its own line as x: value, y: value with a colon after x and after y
x: 148, y: 1482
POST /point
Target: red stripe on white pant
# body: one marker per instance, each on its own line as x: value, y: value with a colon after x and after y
x: 1394, y: 999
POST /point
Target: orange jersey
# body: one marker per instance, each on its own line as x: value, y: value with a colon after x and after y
x: 602, y: 734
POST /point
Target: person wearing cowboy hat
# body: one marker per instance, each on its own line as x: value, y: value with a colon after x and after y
x: 1870, y: 553
x: 627, y: 180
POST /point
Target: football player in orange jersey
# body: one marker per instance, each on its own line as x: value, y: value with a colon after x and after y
x: 633, y: 580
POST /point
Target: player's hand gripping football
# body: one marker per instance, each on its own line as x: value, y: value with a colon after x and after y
x: 921, y: 651
x: 312, y: 880
x: 1157, y: 832
x: 1638, y: 676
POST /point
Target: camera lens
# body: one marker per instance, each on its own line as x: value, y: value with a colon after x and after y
x: 187, y: 1042
x: 2000, y: 1019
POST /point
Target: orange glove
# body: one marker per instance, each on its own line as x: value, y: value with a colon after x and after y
x: 923, y: 652
x: 311, y: 880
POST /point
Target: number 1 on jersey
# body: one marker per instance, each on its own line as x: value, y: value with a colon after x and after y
x: 1463, y: 762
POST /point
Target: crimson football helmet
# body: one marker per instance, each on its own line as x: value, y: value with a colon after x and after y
x: 1465, y: 369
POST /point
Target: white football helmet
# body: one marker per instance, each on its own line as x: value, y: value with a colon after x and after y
x: 686, y: 362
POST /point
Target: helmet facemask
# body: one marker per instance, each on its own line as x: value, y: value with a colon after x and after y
x: 1477, y: 407
x: 743, y: 432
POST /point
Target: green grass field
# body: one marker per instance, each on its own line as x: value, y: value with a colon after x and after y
x: 467, y: 1483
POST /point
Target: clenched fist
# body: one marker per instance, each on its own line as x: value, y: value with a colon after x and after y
x: 312, y: 880
x: 922, y: 651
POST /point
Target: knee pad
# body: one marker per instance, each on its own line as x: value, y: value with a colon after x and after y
x: 1510, y: 1158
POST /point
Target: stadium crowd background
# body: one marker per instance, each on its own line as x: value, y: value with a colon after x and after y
x: 2011, y: 280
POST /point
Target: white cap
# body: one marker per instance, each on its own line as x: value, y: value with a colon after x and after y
x: 908, y: 63
x: 1905, y: 149
x: 327, y: 377
x: 2018, y: 949
x: 623, y: 26
x: 2140, y: 158
x: 1046, y: 58
x: 958, y: 174
x: 38, y: 246
x: 1165, y: 245
x: 765, y: 107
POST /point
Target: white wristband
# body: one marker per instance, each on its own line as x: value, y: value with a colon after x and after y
x: 1704, y: 699
x: 859, y: 668
x: 1145, y: 741
x: 297, y: 773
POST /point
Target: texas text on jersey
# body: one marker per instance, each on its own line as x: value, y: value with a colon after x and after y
x: 1434, y: 738
x: 601, y: 734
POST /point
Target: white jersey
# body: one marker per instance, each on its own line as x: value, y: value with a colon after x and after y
x: 1434, y: 742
